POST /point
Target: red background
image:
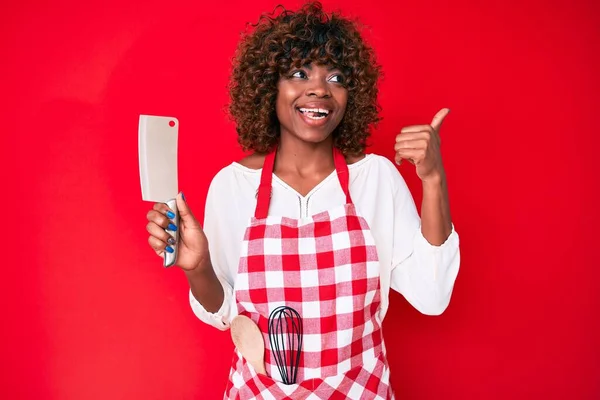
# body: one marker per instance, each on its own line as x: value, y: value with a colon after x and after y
x: 88, y: 311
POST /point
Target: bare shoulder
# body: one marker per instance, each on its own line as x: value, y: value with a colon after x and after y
x: 253, y: 161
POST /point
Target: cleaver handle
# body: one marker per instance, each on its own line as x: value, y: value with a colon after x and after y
x: 171, y: 258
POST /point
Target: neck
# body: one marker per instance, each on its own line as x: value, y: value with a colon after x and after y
x: 296, y: 156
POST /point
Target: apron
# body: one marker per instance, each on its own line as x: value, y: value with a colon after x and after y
x: 326, y: 268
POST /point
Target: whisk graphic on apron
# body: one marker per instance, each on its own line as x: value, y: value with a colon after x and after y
x: 285, y: 337
x: 324, y: 267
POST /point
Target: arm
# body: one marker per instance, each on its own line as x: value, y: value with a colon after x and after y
x: 211, y: 282
x: 205, y: 286
x: 425, y: 273
x: 205, y: 266
x: 436, y: 223
x: 194, y: 259
x: 420, y: 144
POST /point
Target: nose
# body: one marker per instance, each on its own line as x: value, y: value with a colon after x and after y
x: 319, y: 88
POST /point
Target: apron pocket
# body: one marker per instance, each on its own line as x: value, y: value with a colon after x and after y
x: 368, y: 381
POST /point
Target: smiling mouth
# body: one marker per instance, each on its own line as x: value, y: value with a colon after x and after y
x: 314, y: 113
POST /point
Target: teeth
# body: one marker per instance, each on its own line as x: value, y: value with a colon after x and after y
x: 319, y: 110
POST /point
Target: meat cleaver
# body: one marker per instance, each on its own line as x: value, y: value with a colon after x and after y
x: 157, y: 146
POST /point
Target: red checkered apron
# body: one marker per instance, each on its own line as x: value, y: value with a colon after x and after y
x: 326, y: 268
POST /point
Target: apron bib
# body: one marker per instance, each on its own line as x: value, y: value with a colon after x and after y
x: 326, y: 268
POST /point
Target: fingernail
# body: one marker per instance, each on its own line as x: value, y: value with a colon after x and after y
x: 170, y: 214
x: 171, y: 240
x: 182, y: 196
x: 172, y: 227
x: 169, y: 249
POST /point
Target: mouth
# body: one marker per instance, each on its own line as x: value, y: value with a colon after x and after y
x: 314, y: 114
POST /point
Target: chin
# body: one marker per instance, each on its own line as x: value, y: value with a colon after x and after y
x: 313, y: 136
x: 314, y: 139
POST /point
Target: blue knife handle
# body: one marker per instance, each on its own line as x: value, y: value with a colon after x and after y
x: 171, y: 258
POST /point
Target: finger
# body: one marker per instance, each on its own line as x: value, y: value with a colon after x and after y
x: 160, y: 233
x: 399, y: 160
x: 185, y: 213
x: 158, y: 218
x: 436, y: 123
x: 413, y: 136
x: 156, y: 244
x: 159, y: 247
x: 416, y: 128
x: 410, y: 154
x: 411, y: 144
x: 164, y: 209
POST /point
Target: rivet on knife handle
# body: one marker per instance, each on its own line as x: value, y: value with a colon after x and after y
x: 171, y: 258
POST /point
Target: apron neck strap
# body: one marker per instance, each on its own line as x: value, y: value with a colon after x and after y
x: 341, y: 167
x: 266, y: 179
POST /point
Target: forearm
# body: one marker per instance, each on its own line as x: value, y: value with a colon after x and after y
x: 205, y: 286
x: 436, y: 223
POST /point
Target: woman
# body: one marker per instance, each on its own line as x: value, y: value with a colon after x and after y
x: 308, y: 220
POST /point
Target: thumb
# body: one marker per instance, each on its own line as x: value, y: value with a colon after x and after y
x: 436, y: 123
x: 185, y: 213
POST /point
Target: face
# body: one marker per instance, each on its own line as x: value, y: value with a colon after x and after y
x: 311, y: 102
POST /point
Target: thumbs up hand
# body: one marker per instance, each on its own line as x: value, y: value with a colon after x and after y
x: 420, y: 144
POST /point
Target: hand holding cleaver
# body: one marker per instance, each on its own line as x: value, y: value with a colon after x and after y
x: 157, y: 147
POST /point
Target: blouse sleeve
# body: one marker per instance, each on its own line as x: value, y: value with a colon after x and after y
x: 217, y: 233
x: 423, y: 273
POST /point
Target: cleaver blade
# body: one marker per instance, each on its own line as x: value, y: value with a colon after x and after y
x: 157, y: 147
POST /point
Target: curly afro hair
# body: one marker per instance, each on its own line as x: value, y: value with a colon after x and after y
x: 285, y: 40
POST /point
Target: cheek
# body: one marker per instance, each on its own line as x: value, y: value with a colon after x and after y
x: 283, y: 101
x: 342, y: 100
x: 279, y: 106
x: 345, y: 102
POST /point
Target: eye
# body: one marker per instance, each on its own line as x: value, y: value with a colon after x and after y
x: 298, y: 74
x: 338, y: 78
